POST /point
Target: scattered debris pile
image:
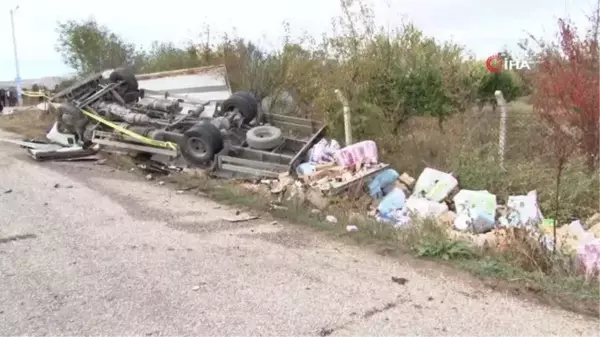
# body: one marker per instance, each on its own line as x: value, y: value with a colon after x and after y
x: 475, y: 216
x: 330, y: 170
x: 333, y: 170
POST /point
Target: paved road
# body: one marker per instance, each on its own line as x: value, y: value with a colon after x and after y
x: 104, y: 253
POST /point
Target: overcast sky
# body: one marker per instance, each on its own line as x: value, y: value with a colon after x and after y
x: 484, y: 27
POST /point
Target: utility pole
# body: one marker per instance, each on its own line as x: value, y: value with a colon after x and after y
x: 14, y: 38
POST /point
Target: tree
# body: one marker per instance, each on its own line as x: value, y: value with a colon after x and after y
x: 406, y: 74
x: 566, y: 92
x: 250, y: 68
x: 89, y: 47
x: 164, y: 56
x: 65, y: 83
x: 507, y: 81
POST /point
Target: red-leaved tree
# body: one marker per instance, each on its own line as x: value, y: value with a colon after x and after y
x: 566, y: 91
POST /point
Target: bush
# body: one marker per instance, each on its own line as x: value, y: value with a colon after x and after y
x: 565, y: 92
x: 505, y: 81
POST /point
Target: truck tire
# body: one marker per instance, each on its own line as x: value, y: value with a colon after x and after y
x: 131, y: 97
x: 243, y: 105
x: 200, y: 143
x: 250, y: 98
x: 123, y: 74
x: 264, y: 137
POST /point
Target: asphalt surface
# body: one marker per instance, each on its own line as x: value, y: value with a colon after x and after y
x: 87, y: 250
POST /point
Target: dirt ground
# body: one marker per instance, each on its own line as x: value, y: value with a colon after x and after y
x: 30, y: 123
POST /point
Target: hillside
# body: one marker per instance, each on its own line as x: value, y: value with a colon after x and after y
x: 48, y: 82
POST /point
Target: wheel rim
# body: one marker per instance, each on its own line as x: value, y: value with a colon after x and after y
x: 263, y: 134
x: 197, y: 148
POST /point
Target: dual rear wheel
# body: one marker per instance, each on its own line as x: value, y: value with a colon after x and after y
x: 203, y: 141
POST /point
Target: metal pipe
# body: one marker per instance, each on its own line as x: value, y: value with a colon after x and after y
x: 14, y: 38
x: 161, y: 135
x: 502, y: 133
x: 167, y: 136
x: 347, y: 117
x: 162, y: 105
x: 122, y: 113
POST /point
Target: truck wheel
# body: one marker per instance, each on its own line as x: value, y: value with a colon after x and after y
x: 123, y: 74
x: 264, y: 137
x: 200, y: 143
x: 250, y: 98
x: 131, y: 97
x: 244, y: 105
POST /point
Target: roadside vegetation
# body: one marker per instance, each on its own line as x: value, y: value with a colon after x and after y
x: 426, y: 105
x: 30, y: 123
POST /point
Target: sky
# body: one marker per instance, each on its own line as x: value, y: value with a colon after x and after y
x: 484, y: 27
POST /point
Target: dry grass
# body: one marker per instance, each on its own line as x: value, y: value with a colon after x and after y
x: 422, y: 141
x: 467, y: 144
x: 31, y: 123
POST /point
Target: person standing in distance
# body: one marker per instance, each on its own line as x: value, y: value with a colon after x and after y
x: 2, y: 99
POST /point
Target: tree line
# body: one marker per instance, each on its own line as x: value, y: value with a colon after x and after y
x: 389, y: 77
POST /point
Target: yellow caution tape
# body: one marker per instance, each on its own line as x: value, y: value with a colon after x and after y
x: 136, y: 136
x: 93, y: 115
x: 33, y: 94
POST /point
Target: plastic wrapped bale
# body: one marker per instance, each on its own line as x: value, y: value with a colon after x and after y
x: 588, y: 256
x: 434, y: 185
x: 364, y: 152
x: 523, y: 210
x: 392, y: 202
x: 322, y: 151
x: 380, y: 184
x: 475, y: 211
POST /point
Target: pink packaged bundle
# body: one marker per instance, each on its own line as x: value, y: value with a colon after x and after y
x: 589, y: 257
x: 364, y: 152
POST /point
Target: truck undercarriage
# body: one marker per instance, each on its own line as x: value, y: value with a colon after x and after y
x: 235, y: 139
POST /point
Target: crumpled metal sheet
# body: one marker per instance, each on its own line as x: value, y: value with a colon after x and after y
x: 63, y: 154
x: 31, y: 144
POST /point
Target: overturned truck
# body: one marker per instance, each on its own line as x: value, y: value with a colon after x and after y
x: 189, y: 117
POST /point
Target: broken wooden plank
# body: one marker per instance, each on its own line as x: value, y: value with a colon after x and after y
x: 241, y: 219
